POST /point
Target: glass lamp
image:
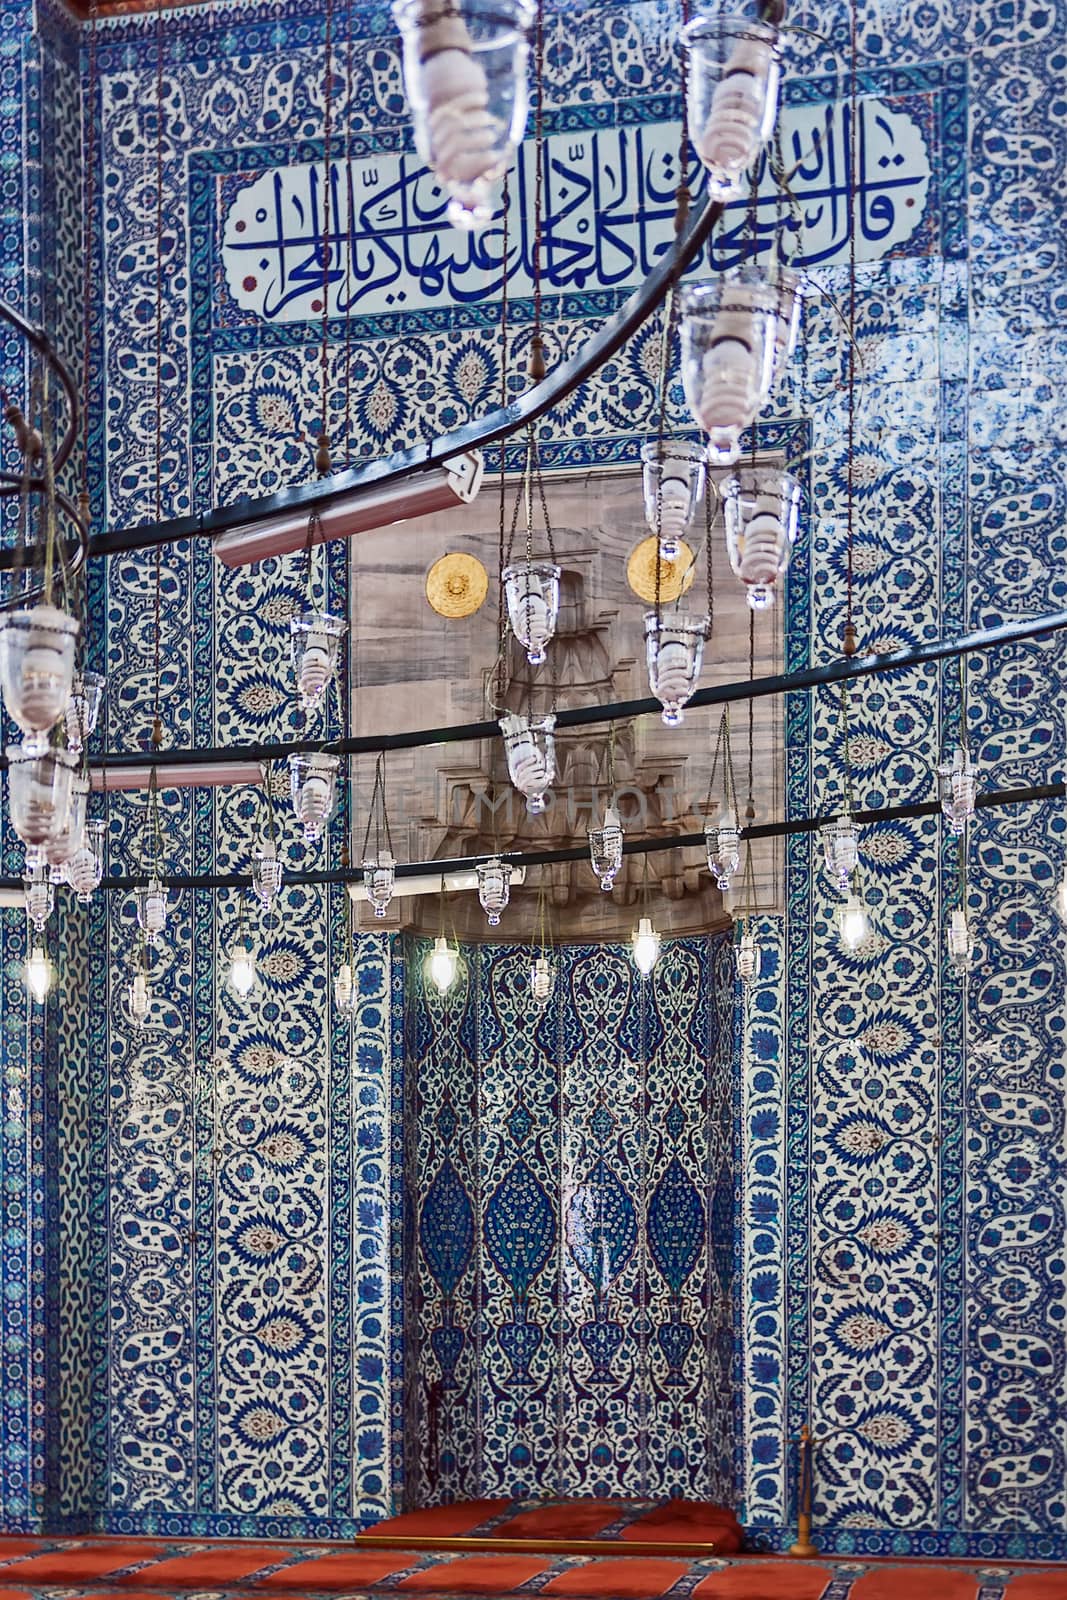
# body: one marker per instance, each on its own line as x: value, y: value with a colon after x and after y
x: 530, y: 746
x: 313, y: 786
x: 645, y: 946
x: 139, y: 998
x: 851, y: 919
x: 1061, y: 895
x: 266, y: 871
x: 315, y: 643
x: 732, y: 92
x: 241, y: 973
x: 344, y: 990
x: 83, y: 709
x: 39, y: 973
x: 65, y: 845
x: 960, y: 943
x: 673, y: 474
x: 40, y: 896
x: 605, y: 848
x: 465, y: 68
x: 723, y: 845
x: 542, y: 977
x: 746, y: 956
x: 957, y: 781
x: 442, y: 964
x: 840, y: 843
x: 494, y: 888
x: 761, y: 508
x: 151, y: 903
x: 674, y: 648
x: 531, y: 589
x: 728, y: 340
x: 36, y: 669
x: 379, y: 880
x: 86, y: 866
x: 39, y: 794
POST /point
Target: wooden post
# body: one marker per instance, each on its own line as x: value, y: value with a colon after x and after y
x: 803, y: 1546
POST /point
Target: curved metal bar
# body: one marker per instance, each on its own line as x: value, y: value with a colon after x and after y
x: 992, y: 800
x: 842, y: 670
x: 499, y: 424
x: 44, y: 347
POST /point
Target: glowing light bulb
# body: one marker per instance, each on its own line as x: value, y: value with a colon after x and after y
x: 39, y: 974
x: 746, y: 957
x: 151, y: 904
x: 139, y: 999
x: 344, y: 989
x: 494, y: 888
x: 242, y: 975
x: 645, y: 945
x: 532, y: 592
x: 852, y: 925
x: 733, y: 95
x: 840, y: 842
x: 443, y: 964
x: 542, y: 978
x: 531, y: 753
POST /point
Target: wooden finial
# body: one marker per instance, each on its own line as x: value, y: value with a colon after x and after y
x: 681, y: 213
x: 849, y: 644
x: 323, y: 460
x: 157, y: 732
x: 537, y: 369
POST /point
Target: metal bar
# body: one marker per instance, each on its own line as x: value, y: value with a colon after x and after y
x: 499, y: 424
x: 840, y: 671
x: 994, y: 799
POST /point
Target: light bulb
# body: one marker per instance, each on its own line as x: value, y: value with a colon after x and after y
x: 266, y: 871
x: 39, y: 974
x: 1061, y: 895
x: 852, y: 923
x: 733, y: 98
x: 958, y: 783
x: 443, y: 964
x: 645, y: 947
x: 242, y: 976
x: 673, y: 480
x: 761, y: 511
x: 840, y: 842
x: 674, y: 651
x: 139, y: 999
x: 151, y: 901
x: 531, y: 752
x: 344, y: 989
x: 542, y: 978
x: 315, y: 642
x: 379, y: 880
x: 746, y: 957
x: 86, y: 867
x: 40, y: 897
x: 494, y: 888
x: 723, y: 846
x: 960, y: 944
x: 83, y: 709
x: 532, y: 592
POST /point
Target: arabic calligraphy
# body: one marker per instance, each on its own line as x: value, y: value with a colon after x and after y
x: 609, y: 201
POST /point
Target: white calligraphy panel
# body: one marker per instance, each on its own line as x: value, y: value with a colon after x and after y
x: 609, y: 213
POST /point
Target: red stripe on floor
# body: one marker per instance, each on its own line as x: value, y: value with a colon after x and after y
x: 210, y: 1569
x: 354, y: 1569
x: 476, y: 1575
x: 83, y: 1563
x: 625, y: 1578
x: 905, y: 1583
x: 1037, y: 1586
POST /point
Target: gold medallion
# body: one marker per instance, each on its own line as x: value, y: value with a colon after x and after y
x: 457, y: 585
x: 675, y: 577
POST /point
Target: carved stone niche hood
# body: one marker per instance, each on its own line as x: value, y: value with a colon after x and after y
x: 412, y: 668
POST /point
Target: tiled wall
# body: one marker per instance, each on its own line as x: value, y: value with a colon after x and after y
x: 900, y: 1263
x: 571, y: 1188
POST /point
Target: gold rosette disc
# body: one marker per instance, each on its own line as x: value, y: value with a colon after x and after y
x: 675, y: 577
x: 456, y: 585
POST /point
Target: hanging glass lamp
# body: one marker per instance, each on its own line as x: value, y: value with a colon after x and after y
x: 345, y: 993
x: 530, y: 746
x: 443, y: 964
x: 722, y: 843
x: 728, y: 341
x: 39, y: 973
x: 645, y: 945
x: 313, y: 787
x: 531, y: 589
x: 266, y: 871
x: 957, y: 781
x: 315, y: 644
x: 83, y: 709
x: 64, y: 845
x: 761, y: 509
x: 465, y: 72
x: 241, y: 972
x: 960, y: 943
x: 379, y: 880
x: 542, y: 977
x: 605, y: 848
x: 732, y: 94
x: 1061, y: 895
x: 790, y: 288
x: 150, y: 900
x: 85, y: 869
x: 494, y: 888
x: 851, y: 919
x: 40, y: 896
x: 39, y: 793
x: 673, y: 473
x: 139, y: 998
x: 840, y: 843
x: 674, y: 648
x: 746, y: 956
x: 36, y: 670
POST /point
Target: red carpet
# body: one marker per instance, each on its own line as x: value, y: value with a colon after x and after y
x: 147, y: 1569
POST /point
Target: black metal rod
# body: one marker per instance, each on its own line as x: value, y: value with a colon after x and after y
x: 498, y: 424
x: 839, y: 671
x: 994, y: 799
